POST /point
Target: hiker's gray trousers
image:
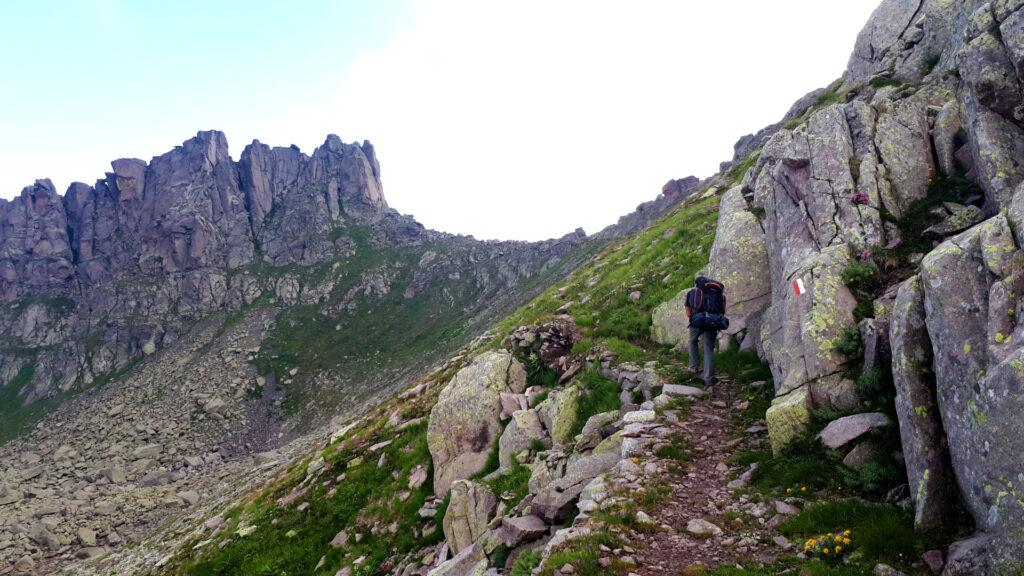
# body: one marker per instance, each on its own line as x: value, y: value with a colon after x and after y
x: 709, y: 337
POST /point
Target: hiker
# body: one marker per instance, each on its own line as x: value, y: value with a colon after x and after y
x: 705, y: 307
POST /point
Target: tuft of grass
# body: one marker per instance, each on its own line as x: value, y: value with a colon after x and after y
x: 677, y: 449
x: 883, y: 81
x: 848, y: 343
x: 526, y: 562
x: 583, y: 554
x: 537, y: 373
x: 736, y: 173
x: 598, y: 394
x: 513, y: 485
x: 863, y: 279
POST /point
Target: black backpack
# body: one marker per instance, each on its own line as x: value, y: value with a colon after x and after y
x: 707, y: 301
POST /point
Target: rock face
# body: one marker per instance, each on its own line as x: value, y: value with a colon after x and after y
x: 931, y: 99
x: 471, y: 508
x: 927, y: 457
x: 465, y: 422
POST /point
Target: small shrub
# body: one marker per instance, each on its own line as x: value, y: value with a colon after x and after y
x: 870, y: 384
x: 848, y: 343
x: 757, y: 211
x: 526, y: 562
x: 883, y: 81
x: 929, y: 64
x: 872, y: 477
x: 860, y: 275
x: 537, y: 373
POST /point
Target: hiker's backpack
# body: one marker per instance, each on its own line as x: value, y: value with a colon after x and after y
x: 707, y: 300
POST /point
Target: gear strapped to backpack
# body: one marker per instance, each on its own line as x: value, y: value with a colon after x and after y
x: 707, y: 303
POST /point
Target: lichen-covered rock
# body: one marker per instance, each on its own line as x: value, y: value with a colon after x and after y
x: 471, y: 508
x: 981, y: 421
x: 558, y: 413
x: 557, y: 499
x: 805, y: 326
x: 669, y: 323
x: 948, y: 124
x: 522, y: 430
x: 957, y: 219
x: 739, y: 260
x: 905, y: 148
x: 464, y: 422
x: 470, y: 562
x: 924, y: 449
x: 787, y: 417
x: 842, y: 431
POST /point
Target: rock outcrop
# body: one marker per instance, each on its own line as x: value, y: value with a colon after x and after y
x: 465, y: 422
x: 926, y: 123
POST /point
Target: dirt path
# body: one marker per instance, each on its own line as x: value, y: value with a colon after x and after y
x: 699, y: 491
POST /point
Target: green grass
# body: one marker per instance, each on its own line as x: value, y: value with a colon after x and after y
x: 883, y: 81
x: 658, y: 262
x: 367, y: 496
x: 677, y: 449
x: 882, y: 533
x: 583, y: 554
x: 803, y: 463
x: 537, y: 374
x: 598, y: 394
x: 15, y: 418
x: 526, y: 562
x: 513, y: 485
x: 737, y: 172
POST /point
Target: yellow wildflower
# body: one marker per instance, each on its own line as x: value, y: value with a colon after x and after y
x: 839, y: 549
x: 824, y: 551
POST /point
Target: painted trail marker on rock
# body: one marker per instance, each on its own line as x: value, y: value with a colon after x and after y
x: 798, y: 287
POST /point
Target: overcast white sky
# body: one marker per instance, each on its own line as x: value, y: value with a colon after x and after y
x: 516, y: 120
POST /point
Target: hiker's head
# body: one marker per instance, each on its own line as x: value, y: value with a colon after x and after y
x: 700, y: 281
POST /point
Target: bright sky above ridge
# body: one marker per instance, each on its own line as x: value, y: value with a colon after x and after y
x: 515, y: 120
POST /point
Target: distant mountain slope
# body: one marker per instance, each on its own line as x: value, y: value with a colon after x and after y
x: 95, y: 280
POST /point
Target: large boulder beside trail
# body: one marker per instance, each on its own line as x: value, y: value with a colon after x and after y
x: 669, y: 323
x: 739, y: 260
x: 555, y: 501
x: 465, y: 421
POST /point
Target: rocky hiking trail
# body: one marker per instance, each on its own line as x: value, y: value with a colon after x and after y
x: 700, y: 496
x: 693, y: 512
